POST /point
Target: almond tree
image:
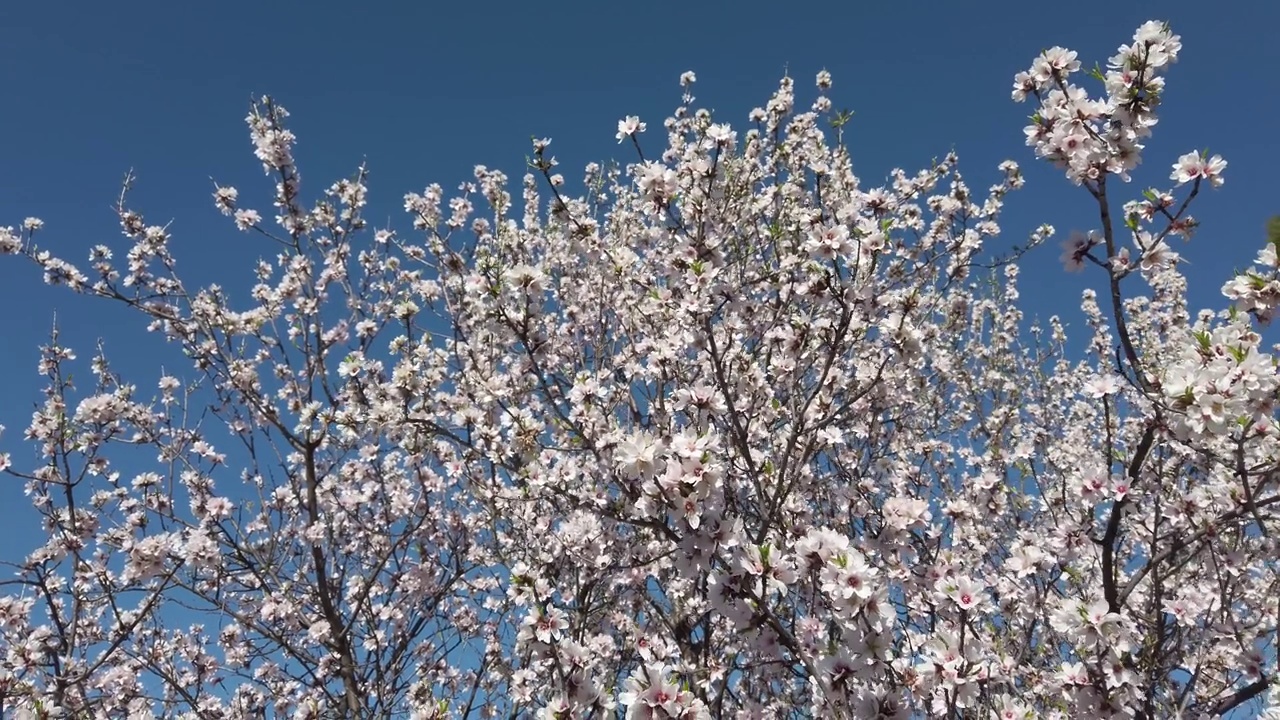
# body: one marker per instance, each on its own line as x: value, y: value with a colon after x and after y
x: 725, y: 436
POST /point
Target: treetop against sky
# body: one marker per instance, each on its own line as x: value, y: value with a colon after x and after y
x: 743, y: 421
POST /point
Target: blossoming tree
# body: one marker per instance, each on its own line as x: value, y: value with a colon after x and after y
x: 727, y: 435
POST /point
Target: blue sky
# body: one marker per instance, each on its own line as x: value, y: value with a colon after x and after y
x: 424, y: 91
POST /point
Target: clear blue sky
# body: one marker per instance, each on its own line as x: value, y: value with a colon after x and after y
x: 424, y: 91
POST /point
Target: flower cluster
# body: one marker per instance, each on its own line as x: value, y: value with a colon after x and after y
x: 1088, y: 137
